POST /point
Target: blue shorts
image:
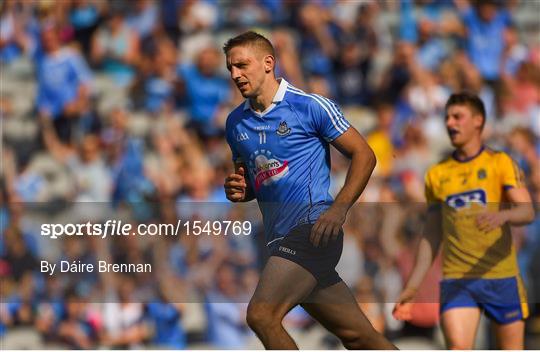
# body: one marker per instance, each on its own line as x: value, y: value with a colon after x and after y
x: 503, y: 300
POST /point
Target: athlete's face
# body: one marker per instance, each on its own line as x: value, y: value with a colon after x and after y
x: 462, y: 124
x: 249, y: 69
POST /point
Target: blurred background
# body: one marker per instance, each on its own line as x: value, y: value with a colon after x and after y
x: 121, y: 105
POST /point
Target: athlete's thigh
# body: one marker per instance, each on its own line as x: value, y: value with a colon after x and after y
x: 510, y: 336
x: 282, y: 285
x: 337, y: 310
x: 504, y: 302
x: 459, y: 326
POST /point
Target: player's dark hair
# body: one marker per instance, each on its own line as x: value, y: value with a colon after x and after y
x: 471, y: 100
x: 250, y: 38
x: 497, y: 3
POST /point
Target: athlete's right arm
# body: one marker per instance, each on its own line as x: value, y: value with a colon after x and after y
x: 426, y: 253
x: 237, y: 187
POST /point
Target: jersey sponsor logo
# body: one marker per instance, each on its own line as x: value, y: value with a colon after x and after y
x: 464, y: 200
x: 283, y: 130
x: 262, y: 128
x: 266, y: 168
x: 241, y: 137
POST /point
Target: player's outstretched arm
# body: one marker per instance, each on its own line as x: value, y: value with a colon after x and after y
x: 352, y: 145
x: 237, y: 187
x: 521, y: 212
x: 426, y: 253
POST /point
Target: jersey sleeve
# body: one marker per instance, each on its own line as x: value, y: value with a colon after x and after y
x: 327, y: 119
x: 510, y: 175
x: 431, y: 199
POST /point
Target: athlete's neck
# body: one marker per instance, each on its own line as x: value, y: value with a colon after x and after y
x: 261, y: 102
x: 469, y: 150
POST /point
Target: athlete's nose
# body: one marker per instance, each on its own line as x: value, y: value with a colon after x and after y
x: 235, y: 73
x: 450, y: 122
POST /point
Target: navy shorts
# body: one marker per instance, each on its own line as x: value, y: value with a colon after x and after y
x: 319, y: 261
x: 503, y: 300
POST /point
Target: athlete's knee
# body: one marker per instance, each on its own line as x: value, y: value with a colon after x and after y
x: 262, y: 316
x: 359, y: 340
x: 460, y: 345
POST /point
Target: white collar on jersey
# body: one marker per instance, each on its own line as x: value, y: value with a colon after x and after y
x: 277, y: 98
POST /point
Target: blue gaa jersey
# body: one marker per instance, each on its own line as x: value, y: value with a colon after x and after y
x: 286, y: 152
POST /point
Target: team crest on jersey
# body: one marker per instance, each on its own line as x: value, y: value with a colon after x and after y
x: 481, y: 174
x: 283, y: 130
x: 266, y: 168
x: 466, y: 199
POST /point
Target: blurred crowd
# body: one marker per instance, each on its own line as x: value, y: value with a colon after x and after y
x: 121, y: 106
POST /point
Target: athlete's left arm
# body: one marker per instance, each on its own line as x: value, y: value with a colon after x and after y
x: 520, y: 213
x: 353, y: 146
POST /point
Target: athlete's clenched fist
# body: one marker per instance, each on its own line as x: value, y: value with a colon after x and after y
x: 236, y: 186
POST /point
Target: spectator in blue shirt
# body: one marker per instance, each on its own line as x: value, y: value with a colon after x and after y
x: 227, y: 326
x: 131, y: 186
x: 485, y: 45
x: 431, y: 48
x: 160, y: 85
x: 76, y: 327
x: 14, y: 38
x: 352, y: 68
x: 318, y: 47
x: 115, y: 47
x: 206, y: 90
x: 168, y: 330
x: 144, y: 18
x: 64, y: 80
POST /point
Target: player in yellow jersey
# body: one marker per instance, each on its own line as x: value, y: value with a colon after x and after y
x: 466, y: 194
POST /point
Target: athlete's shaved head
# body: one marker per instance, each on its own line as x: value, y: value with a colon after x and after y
x: 253, y: 39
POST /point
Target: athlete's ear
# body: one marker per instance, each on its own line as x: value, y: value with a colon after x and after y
x: 269, y: 63
x: 478, y: 121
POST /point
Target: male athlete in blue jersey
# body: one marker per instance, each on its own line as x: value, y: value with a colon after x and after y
x: 280, y: 140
